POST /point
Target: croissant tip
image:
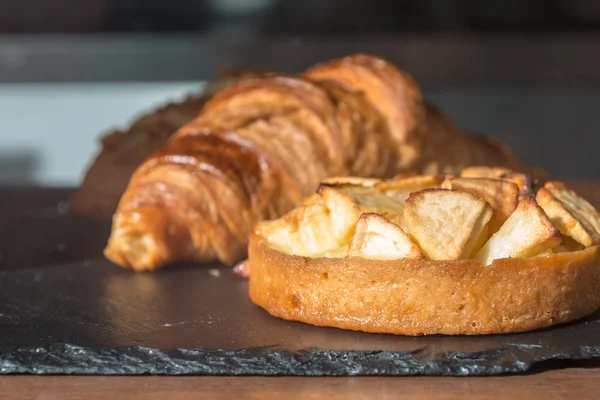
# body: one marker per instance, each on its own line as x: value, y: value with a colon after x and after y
x: 137, y: 241
x: 136, y: 252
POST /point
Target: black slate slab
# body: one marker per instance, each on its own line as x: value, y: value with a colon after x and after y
x: 65, y: 309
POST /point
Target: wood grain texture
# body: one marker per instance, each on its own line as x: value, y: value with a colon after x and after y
x: 575, y: 383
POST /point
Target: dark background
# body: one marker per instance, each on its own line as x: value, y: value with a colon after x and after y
x: 527, y: 71
x: 323, y: 17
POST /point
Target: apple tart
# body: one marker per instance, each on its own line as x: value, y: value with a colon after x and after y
x: 483, y: 252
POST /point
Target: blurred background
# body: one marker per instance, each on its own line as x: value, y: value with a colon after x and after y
x: 71, y: 70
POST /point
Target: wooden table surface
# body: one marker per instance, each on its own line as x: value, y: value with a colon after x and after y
x: 572, y: 383
x: 555, y: 380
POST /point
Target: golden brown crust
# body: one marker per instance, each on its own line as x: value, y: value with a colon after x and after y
x: 261, y: 145
x: 390, y: 91
x: 256, y: 150
x: 370, y: 150
x: 260, y: 99
x: 123, y: 151
x: 421, y: 297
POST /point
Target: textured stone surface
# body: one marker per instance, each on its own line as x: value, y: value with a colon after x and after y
x: 65, y: 309
x: 69, y: 359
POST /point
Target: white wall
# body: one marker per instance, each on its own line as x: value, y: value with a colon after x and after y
x: 55, y: 126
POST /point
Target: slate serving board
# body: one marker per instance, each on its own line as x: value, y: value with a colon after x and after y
x: 64, y: 309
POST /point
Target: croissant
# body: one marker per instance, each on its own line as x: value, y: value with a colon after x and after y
x: 124, y: 150
x: 261, y: 145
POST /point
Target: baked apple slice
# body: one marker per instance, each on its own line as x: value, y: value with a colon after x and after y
x: 572, y: 215
x: 350, y: 181
x: 304, y: 231
x: 399, y: 189
x: 447, y: 224
x: 324, y: 224
x: 526, y: 233
x: 370, y: 201
x: 501, y: 195
x: 484, y: 172
x: 376, y: 238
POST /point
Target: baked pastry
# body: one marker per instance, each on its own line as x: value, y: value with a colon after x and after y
x: 123, y: 151
x: 370, y: 258
x: 261, y: 145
